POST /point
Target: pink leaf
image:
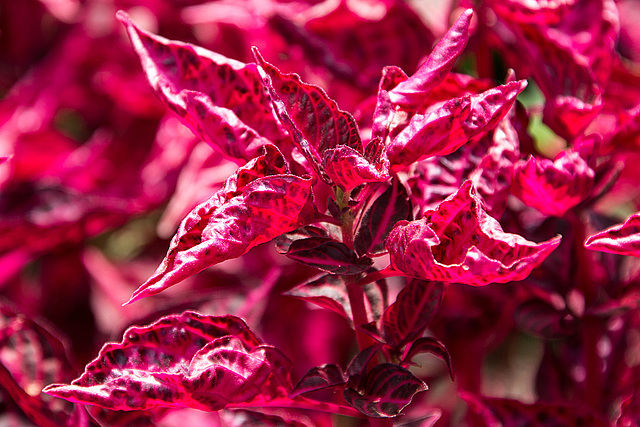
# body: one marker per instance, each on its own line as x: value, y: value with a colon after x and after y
x: 319, y: 378
x: 218, y: 98
x: 32, y: 357
x: 311, y: 117
x: 489, y: 411
x: 348, y: 168
x: 328, y: 255
x: 459, y: 242
x: 384, y: 391
x: 622, y: 239
x: 553, y: 187
x: 392, y: 206
x: 407, y: 318
x: 448, y: 127
x: 186, y: 360
x: 429, y: 345
x: 411, y: 93
x: 256, y: 204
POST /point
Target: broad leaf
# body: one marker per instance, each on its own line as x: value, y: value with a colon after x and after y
x: 392, y: 206
x: 319, y: 378
x: 460, y: 242
x: 32, y: 357
x: 384, y: 391
x: 553, y: 187
x: 311, y: 117
x: 328, y: 255
x: 449, y: 126
x: 218, y: 98
x: 622, y: 239
x: 428, y: 345
x: 348, y: 168
x: 407, y: 318
x: 187, y: 360
x: 411, y: 93
x: 256, y: 204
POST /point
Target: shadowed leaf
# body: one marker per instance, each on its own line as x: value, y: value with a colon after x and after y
x: 319, y: 378
x: 407, y: 318
x: 429, y: 345
x: 384, y: 391
x: 328, y: 255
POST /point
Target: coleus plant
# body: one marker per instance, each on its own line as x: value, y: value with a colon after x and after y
x: 427, y: 223
x: 295, y: 142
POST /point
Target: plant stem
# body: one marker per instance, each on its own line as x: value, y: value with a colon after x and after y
x: 359, y: 313
x: 381, y: 422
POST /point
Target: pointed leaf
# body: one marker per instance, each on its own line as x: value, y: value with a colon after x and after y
x: 385, y: 114
x: 328, y: 291
x: 459, y: 242
x: 411, y: 93
x: 311, y: 117
x: 328, y: 255
x: 384, y: 392
x: 622, y: 239
x: 257, y: 204
x: 359, y: 363
x: 407, y: 318
x: 187, y: 360
x: 451, y: 125
x: 429, y: 345
x: 539, y: 317
x: 319, y: 378
x: 348, y: 168
x: 392, y: 206
x: 553, y: 187
x: 219, y: 99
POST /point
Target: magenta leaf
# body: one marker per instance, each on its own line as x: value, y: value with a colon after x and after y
x: 328, y: 255
x: 541, y: 318
x: 359, y: 363
x: 429, y: 345
x: 319, y: 378
x: 553, y: 187
x: 311, y: 117
x: 509, y: 412
x: 411, y: 93
x: 622, y: 239
x: 348, y: 168
x: 258, y: 203
x: 218, y: 98
x: 392, y: 206
x: 328, y: 291
x: 384, y: 391
x: 384, y: 116
x: 187, y: 360
x: 407, y: 318
x: 32, y: 357
x: 448, y: 127
x: 460, y: 242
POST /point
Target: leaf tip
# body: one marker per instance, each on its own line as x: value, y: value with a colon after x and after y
x: 123, y: 17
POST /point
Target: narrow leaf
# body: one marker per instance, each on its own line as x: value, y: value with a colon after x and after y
x: 622, y: 239
x: 459, y: 242
x: 407, y: 318
x: 256, y: 204
x: 187, y: 360
x: 385, y: 391
x: 432, y: 346
x: 411, y: 93
x: 328, y: 255
x: 392, y: 206
x: 319, y: 378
